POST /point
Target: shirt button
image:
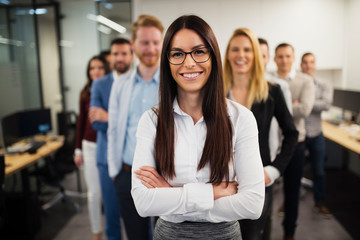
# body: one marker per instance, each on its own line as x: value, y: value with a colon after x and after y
x: 144, y: 100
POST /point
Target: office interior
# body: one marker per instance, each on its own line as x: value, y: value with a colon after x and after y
x: 46, y: 44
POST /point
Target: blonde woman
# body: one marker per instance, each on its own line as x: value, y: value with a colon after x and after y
x: 245, y: 83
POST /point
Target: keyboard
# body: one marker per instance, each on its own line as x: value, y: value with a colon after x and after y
x: 35, y: 145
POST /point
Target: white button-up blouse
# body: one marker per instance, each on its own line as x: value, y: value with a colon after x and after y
x: 191, y: 197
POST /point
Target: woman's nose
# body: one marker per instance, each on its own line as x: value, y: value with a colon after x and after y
x: 189, y: 61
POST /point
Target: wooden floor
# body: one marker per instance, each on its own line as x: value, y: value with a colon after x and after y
x: 62, y: 222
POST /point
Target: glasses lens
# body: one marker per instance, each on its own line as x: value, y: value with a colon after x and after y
x: 176, y: 57
x: 201, y: 55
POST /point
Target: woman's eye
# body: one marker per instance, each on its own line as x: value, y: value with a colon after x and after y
x: 177, y: 54
x: 199, y: 52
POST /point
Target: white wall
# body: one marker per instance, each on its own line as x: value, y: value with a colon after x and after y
x: 82, y: 37
x: 315, y: 26
x: 352, y: 45
x: 326, y: 27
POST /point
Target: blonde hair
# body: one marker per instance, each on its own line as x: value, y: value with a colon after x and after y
x: 258, y: 88
x: 145, y: 21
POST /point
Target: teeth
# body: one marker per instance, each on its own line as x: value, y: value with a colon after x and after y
x: 191, y: 75
x: 240, y: 62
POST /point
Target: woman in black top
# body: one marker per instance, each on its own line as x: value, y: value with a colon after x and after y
x: 245, y: 84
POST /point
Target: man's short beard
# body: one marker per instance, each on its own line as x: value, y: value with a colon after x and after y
x: 122, y: 69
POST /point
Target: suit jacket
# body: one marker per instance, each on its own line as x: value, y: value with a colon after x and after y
x: 118, y: 116
x: 100, y: 94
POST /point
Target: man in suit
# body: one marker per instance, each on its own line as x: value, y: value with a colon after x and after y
x: 303, y: 96
x: 275, y: 135
x: 121, y: 59
x: 130, y: 98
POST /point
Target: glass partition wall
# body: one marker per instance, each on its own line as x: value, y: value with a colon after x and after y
x: 118, y: 11
x: 45, y: 46
x: 20, y: 79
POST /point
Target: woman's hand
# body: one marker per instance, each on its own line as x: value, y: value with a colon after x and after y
x: 78, y: 160
x: 267, y: 179
x: 151, y: 178
x: 222, y: 190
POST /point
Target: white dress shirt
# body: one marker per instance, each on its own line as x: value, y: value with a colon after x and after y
x: 275, y: 133
x: 191, y: 198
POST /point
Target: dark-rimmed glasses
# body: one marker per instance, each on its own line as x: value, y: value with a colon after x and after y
x: 200, y: 55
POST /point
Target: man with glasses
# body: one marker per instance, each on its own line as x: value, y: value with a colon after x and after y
x: 129, y: 99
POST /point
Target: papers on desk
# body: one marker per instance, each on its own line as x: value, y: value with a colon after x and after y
x: 18, y: 148
x: 352, y: 129
x: 30, y: 147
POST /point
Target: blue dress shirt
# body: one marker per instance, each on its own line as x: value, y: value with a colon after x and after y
x: 130, y: 97
x: 143, y: 97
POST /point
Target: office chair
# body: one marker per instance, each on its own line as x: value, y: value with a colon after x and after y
x: 65, y: 157
x: 61, y: 164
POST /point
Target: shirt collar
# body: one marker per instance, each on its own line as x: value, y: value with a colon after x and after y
x: 177, y: 108
x: 121, y: 76
x: 290, y: 76
x: 156, y: 77
x: 180, y: 112
x: 115, y: 76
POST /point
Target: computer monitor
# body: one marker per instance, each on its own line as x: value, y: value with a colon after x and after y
x: 24, y: 124
x: 348, y: 100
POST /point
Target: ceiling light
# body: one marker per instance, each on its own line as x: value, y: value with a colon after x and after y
x: 111, y: 24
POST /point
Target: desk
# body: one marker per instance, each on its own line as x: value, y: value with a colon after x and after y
x: 17, y: 162
x: 341, y: 137
x: 22, y: 216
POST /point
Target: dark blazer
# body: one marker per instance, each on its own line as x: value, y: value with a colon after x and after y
x: 275, y: 106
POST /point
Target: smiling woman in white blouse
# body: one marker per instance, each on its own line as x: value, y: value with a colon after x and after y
x: 197, y: 163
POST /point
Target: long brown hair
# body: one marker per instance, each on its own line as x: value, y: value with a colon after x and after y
x: 258, y: 88
x: 218, y: 144
x: 85, y: 92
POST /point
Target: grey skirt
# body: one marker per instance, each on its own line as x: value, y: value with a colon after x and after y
x: 165, y: 230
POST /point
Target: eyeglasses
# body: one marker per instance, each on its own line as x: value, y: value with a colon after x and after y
x: 200, y: 55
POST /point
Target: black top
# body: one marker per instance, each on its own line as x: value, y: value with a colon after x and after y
x: 275, y: 106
